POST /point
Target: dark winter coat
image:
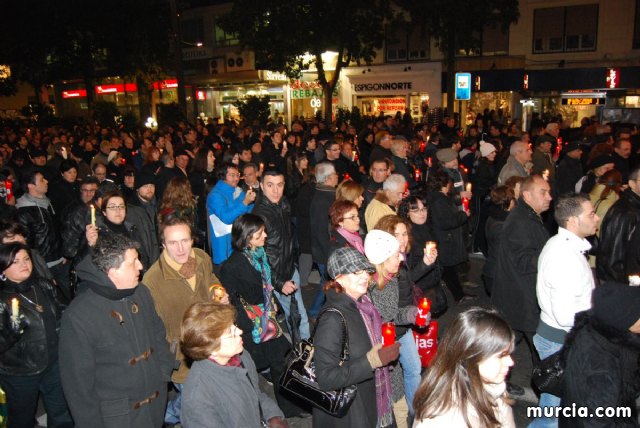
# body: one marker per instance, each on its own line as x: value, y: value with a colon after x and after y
x: 484, y: 178
x: 619, y: 248
x: 322, y: 200
x: 493, y: 232
x: 421, y: 234
x: 37, y: 347
x: 514, y: 286
x: 241, y: 279
x: 74, y: 223
x: 602, y: 370
x: 279, y: 243
x: 447, y: 223
x: 62, y: 193
x: 356, y: 370
x: 568, y: 173
x: 115, y: 362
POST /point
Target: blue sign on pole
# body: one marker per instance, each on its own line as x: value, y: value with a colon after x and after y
x: 463, y: 86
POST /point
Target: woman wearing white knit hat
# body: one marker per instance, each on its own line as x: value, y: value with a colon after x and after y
x: 383, y: 251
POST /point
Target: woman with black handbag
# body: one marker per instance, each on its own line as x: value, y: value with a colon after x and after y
x: 366, y: 365
x: 246, y: 275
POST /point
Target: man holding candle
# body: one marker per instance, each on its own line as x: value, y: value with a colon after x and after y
x: 181, y: 276
x: 76, y: 218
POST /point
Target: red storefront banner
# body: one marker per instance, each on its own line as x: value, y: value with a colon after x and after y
x: 74, y: 93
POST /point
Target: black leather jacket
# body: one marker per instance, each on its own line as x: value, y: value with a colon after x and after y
x: 42, y: 231
x: 618, y: 255
x: 74, y: 223
x: 279, y: 243
x: 37, y: 347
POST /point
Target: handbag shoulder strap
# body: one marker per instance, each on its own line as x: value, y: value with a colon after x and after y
x: 344, y: 353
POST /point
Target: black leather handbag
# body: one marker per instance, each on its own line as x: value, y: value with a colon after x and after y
x: 299, y: 377
x: 547, y: 374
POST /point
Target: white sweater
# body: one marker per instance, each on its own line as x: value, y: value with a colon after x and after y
x: 564, y: 280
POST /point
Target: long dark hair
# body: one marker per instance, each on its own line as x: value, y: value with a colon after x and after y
x: 454, y: 380
x: 243, y: 229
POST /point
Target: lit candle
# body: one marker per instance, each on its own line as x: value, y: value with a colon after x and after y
x: 465, y: 204
x: 429, y: 163
x: 15, y: 308
x: 218, y: 292
x: 388, y: 333
x: 93, y: 215
x: 418, y: 174
x: 430, y: 247
x: 634, y: 280
x: 284, y: 144
x: 545, y: 175
x: 423, y: 311
x: 468, y: 187
x: 353, y: 155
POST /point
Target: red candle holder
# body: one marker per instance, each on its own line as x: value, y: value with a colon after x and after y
x: 388, y: 333
x: 465, y: 204
x: 423, y: 311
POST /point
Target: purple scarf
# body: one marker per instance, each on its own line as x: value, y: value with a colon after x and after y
x: 373, y: 323
x: 354, y: 239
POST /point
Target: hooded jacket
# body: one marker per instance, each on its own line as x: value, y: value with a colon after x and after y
x: 37, y: 216
x: 115, y: 362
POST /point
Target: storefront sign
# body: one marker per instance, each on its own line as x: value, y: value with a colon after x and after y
x: 382, y: 86
x: 463, y: 86
x: 315, y: 102
x: 113, y: 89
x: 477, y: 83
x: 525, y: 82
x: 274, y: 75
x: 76, y: 93
x: 165, y: 84
x: 582, y: 101
x: 613, y: 78
x: 392, y: 104
x: 309, y: 93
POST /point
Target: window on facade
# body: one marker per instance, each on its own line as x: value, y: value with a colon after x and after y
x: 192, y: 31
x: 404, y: 43
x: 493, y: 41
x: 565, y: 29
x: 636, y: 27
x: 224, y: 39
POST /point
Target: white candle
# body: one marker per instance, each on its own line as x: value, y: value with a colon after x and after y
x: 545, y: 175
x: 93, y: 215
x: 430, y: 246
x: 469, y: 187
x: 15, y: 308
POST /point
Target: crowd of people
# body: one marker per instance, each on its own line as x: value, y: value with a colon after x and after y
x: 148, y: 278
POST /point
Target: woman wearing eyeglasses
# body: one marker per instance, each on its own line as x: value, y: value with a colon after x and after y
x: 345, y: 226
x: 222, y: 388
x: 112, y: 219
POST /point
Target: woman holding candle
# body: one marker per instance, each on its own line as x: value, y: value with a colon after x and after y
x: 366, y: 366
x: 414, y: 209
x: 448, y: 224
x: 384, y: 252
x: 409, y: 358
x: 465, y: 386
x: 29, y: 321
